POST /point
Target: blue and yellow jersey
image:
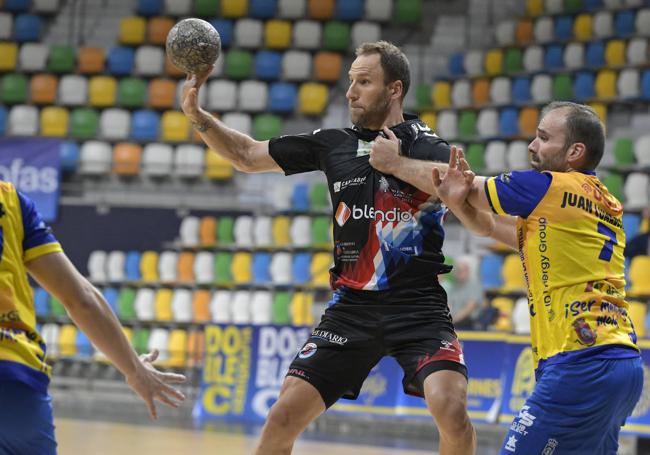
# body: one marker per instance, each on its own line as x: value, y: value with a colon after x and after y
x: 571, y: 242
x: 23, y: 237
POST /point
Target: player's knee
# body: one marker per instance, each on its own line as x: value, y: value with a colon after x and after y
x: 450, y: 413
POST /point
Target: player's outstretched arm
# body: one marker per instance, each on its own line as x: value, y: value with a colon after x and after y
x: 245, y: 153
x: 94, y: 317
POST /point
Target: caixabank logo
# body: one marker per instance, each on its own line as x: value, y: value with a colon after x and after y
x: 344, y: 213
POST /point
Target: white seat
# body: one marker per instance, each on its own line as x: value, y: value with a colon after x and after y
x: 636, y: 189
x: 473, y: 62
x: 282, y: 192
x: 262, y: 231
x: 505, y: 33
x: 487, y: 123
x: 73, y: 90
x: 115, y: 124
x: 203, y: 95
x: 204, y: 267
x: 543, y: 30
x: 633, y: 3
x: 189, y: 231
x: 189, y: 160
x: 541, y: 88
x: 145, y: 308
x: 574, y: 56
x: 553, y: 6
x: 447, y: 124
x: 243, y: 231
x: 378, y: 10
x: 461, y: 93
x: 637, y: 51
x: 280, y: 268
x: 628, y: 83
x: 533, y: 59
x: 222, y: 95
x: 521, y: 317
x: 6, y: 25
x: 167, y: 266
x: 23, y: 121
x: 178, y: 7
x: 296, y: 65
x: 642, y: 150
x: 240, y: 307
x: 291, y: 9
x: 32, y: 57
x: 217, y: 70
x: 614, y: 4
x: 97, y: 266
x: 95, y: 158
x: 45, y: 6
x: 248, y: 33
x: 50, y: 334
x: 500, y: 91
x: 495, y: 156
x: 115, y: 263
x: 159, y: 339
x: 157, y: 159
x: 365, y: 32
x: 603, y: 24
x: 307, y: 35
x: 642, y: 22
x: 253, y: 96
x: 300, y: 231
x: 238, y: 121
x: 608, y: 159
x: 149, y: 61
x: 518, y: 155
x: 261, y: 304
x: 182, y: 305
x: 220, y: 306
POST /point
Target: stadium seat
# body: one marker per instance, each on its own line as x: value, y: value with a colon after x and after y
x: 120, y: 61
x: 162, y: 93
x: 296, y: 65
x: 163, y: 305
x: 645, y: 85
x: 321, y: 9
x: 149, y: 61
x: 132, y: 266
x: 126, y: 159
x: 624, y: 23
x: 533, y: 59
x: 149, y: 266
x: 3, y: 121
x: 175, y: 127
x: 277, y: 34
x: 349, y: 10
x: 31, y: 58
x: 627, y: 84
x: 481, y: 91
x: 639, y: 272
x: 615, y: 53
x: 220, y: 306
x: 505, y: 33
x: 159, y: 337
x: 574, y: 56
x: 592, y: 5
x: 291, y: 9
x: 149, y: 7
x: 447, y: 124
x: 27, y: 27
x: 517, y: 155
x: 313, y: 98
x: 201, y: 305
x: 61, y: 59
x: 216, y: 167
x: 500, y: 90
x: 262, y: 231
x: 595, y: 54
x: 167, y: 269
x: 495, y: 156
x: 157, y: 30
x: 223, y: 268
x: 240, y: 307
x: 280, y: 268
x: 6, y: 26
x: 242, y: 268
x: 73, y: 90
x: 83, y: 123
x: 474, y: 154
x: 97, y: 266
x: 554, y: 57
x: 642, y: 22
x: 637, y: 51
x: 513, y: 61
x: 234, y: 8
x: 280, y: 308
x: 513, y: 274
x: 606, y: 84
x: 528, y: 119
x: 132, y: 30
x: 336, y: 36
x: 280, y: 231
x: 186, y: 267
x: 189, y: 161
x: 636, y: 190
x: 456, y: 64
x: 226, y: 31
x: 178, y: 7
x: 624, y: 152
x: 582, y: 27
x: 13, y: 89
x: 504, y: 307
x: 268, y: 65
x: 327, y: 66
x: 145, y: 125
x: 302, y: 309
x: 319, y: 197
x: 614, y: 183
x: 67, y: 341
x: 243, y: 231
x: 521, y: 90
x: 524, y: 31
x: 253, y: 96
x: 365, y: 32
x: 441, y: 94
x: 260, y: 268
x: 54, y: 121
x: 266, y: 126
x: 23, y: 121
x: 407, y: 11
x: 467, y: 125
x: 642, y: 150
x: 140, y: 340
x: 494, y: 62
x: 307, y: 35
x: 282, y: 97
x: 131, y: 92
x: 631, y: 224
x: 562, y: 87
x: 248, y: 33
x: 204, y: 265
x: 178, y: 352
x: 584, y: 88
x: 238, y: 64
x: 57, y: 308
x: 238, y: 121
x: 206, y: 8
x: 207, y: 231
x: 563, y: 28
x: 509, y: 122
x: 638, y: 313
x: 50, y: 334
x: 301, y: 267
x: 41, y: 302
x: 461, y: 93
x: 543, y: 30
x: 553, y: 6
x: 157, y: 160
x: 102, y: 91
x: 490, y: 271
x: 473, y: 62
x: 603, y: 24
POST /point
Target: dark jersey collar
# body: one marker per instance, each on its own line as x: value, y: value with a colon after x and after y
x: 404, y: 128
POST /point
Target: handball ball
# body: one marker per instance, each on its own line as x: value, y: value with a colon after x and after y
x: 193, y: 45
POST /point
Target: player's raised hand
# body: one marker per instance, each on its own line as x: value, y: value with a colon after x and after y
x: 454, y: 186
x: 190, y: 94
x: 384, y: 155
x: 152, y: 384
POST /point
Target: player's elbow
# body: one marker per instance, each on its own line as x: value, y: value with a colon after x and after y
x: 84, y: 300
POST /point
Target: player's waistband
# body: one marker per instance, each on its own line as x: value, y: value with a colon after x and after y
x: 433, y: 295
x: 603, y: 351
x: 14, y: 371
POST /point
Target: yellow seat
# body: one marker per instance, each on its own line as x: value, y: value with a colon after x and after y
x: 132, y: 30
x: 504, y: 321
x: 277, y: 34
x: 175, y: 127
x: 313, y: 98
x: 280, y: 230
x: 639, y: 273
x: 320, y: 269
x: 494, y: 62
x: 54, y: 121
x: 430, y: 118
x: 534, y: 7
x: 217, y: 167
x: 177, y: 348
x: 513, y: 274
x: 149, y: 266
x: 102, y: 90
x: 234, y: 8
x: 601, y: 111
x: 68, y: 341
x: 163, y: 304
x: 606, y: 84
x: 638, y: 312
x: 441, y: 94
x: 615, y: 53
x: 301, y: 308
x: 241, y: 268
x: 8, y: 56
x: 582, y: 27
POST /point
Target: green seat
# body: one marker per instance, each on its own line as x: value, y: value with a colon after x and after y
x: 61, y: 59
x: 280, y: 313
x: 225, y: 231
x: 267, y: 126
x: 206, y: 8
x: 624, y: 152
x: 83, y: 123
x: 319, y: 197
x: 408, y: 11
x: 56, y: 307
x: 131, y: 92
x: 13, y: 89
x: 614, y: 183
x: 475, y: 156
x: 126, y: 304
x: 573, y: 6
x: 320, y: 231
x: 562, y: 88
x: 336, y: 36
x: 140, y: 341
x: 423, y: 96
x: 222, y: 268
x: 238, y: 64
x: 467, y: 125
x: 513, y: 61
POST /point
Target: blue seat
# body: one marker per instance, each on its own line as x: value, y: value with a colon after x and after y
x: 132, y: 266
x: 645, y: 85
x: 624, y: 24
x: 225, y: 29
x: 16, y: 6
x: 268, y: 65
x: 83, y: 345
x: 301, y: 268
x: 120, y: 60
x: 149, y: 7
x: 521, y: 90
x: 261, y: 268
x: 348, y: 10
x: 145, y: 125
x: 584, y: 85
x: 41, y: 302
x: 554, y: 57
x: 69, y: 156
x: 631, y: 224
x: 509, y: 122
x: 563, y: 28
x: 592, y: 5
x: 27, y: 27
x: 490, y: 271
x: 3, y: 120
x: 111, y: 295
x: 456, y: 64
x: 283, y: 97
x: 262, y: 9
x: 595, y: 54
x: 300, y: 197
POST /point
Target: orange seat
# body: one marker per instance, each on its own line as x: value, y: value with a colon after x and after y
x: 158, y: 28
x: 321, y: 9
x: 201, y: 305
x: 185, y: 267
x: 91, y: 60
x: 524, y: 31
x: 195, y: 348
x: 528, y: 118
x: 43, y: 89
x: 208, y: 231
x: 126, y: 158
x: 327, y: 66
x: 162, y: 93
x: 481, y: 92
x: 171, y: 69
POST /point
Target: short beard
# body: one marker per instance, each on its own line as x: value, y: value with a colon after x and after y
x: 374, y: 115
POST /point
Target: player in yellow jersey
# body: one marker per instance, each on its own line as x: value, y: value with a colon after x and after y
x: 28, y: 245
x: 568, y: 230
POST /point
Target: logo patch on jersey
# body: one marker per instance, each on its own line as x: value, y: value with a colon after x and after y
x: 343, y: 213
x: 341, y: 185
x: 585, y: 334
x: 550, y: 446
x: 363, y: 147
x: 308, y: 350
x: 511, y: 445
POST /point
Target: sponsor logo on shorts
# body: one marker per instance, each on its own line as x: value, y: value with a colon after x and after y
x: 329, y: 336
x: 308, y: 350
x: 550, y: 446
x: 297, y: 372
x: 523, y: 421
x: 449, y: 350
x: 511, y: 445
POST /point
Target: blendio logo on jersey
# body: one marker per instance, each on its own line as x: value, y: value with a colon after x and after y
x: 343, y: 213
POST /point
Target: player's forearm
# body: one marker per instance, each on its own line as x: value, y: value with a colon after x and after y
x: 418, y: 173
x: 479, y: 222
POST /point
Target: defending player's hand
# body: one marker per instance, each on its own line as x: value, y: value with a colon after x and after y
x: 384, y: 155
x: 152, y: 384
x: 455, y: 185
x: 190, y: 94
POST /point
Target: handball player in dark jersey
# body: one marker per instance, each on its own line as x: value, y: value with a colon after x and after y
x: 387, y: 254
